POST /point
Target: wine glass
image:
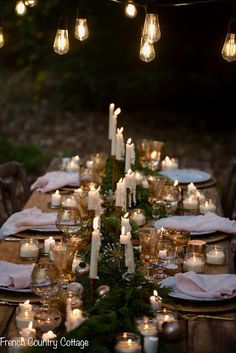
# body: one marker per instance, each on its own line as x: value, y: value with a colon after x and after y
x: 44, y: 283
x: 74, y: 227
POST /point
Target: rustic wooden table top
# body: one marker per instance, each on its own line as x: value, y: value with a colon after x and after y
x: 201, y: 335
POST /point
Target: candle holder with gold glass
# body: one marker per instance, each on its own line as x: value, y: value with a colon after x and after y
x: 75, y: 228
x: 99, y: 163
x: 149, y: 153
x: 44, y: 283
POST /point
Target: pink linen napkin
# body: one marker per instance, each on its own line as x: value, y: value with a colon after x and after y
x: 15, y: 276
x: 26, y: 219
x: 206, y: 286
x: 55, y: 180
x: 208, y: 222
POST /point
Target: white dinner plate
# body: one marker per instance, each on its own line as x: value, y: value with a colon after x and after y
x: 158, y: 224
x: 50, y: 229
x: 11, y: 289
x: 175, y: 293
x: 186, y: 176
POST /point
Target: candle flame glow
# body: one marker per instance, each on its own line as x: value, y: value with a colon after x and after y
x: 96, y: 223
x: 117, y: 111
x: 129, y: 141
x: 155, y: 293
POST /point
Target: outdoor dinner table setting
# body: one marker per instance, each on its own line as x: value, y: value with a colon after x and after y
x: 126, y: 252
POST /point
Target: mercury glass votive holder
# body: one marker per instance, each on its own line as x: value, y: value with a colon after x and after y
x: 127, y: 342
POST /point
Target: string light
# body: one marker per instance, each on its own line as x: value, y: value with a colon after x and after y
x: 151, y: 28
x: 229, y: 47
x: 61, y: 43
x: 130, y: 9
x: 1, y: 35
x: 31, y: 3
x: 81, y: 29
x: 20, y: 8
x: 147, y: 50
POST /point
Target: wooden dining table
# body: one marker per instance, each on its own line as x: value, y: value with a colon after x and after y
x: 206, y: 327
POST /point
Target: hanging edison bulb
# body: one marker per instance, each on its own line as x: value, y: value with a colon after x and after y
x: 151, y: 28
x: 147, y: 50
x: 81, y: 29
x: 20, y: 8
x: 1, y: 37
x: 130, y: 9
x: 229, y: 47
x: 61, y: 42
x: 31, y: 3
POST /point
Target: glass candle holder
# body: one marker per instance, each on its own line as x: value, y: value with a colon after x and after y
x: 171, y: 196
x: 146, y: 326
x: 173, y: 267
x: 194, y: 262
x: 24, y: 314
x: 215, y: 255
x: 128, y: 342
x: 149, y: 153
x: 169, y: 163
x: 164, y: 315
x: 138, y: 216
x: 207, y: 206
x: 191, y: 204
x: 29, y: 249
x: 197, y: 246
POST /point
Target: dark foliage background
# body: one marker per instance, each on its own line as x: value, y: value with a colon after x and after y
x: 186, y: 95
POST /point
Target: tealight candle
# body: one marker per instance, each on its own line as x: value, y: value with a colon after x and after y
x: 190, y: 203
x: 24, y: 314
x: 147, y: 329
x: 207, y: 206
x: 169, y: 163
x: 47, y: 336
x: 194, y: 262
x: 56, y: 199
x: 156, y: 301
x: 138, y: 216
x: 69, y: 202
x: 47, y: 244
x: 128, y: 343
x: 164, y: 316
x: 28, y: 332
x: 215, y: 255
x: 29, y: 249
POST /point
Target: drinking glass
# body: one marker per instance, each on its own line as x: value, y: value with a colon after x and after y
x: 44, y: 282
x: 75, y: 228
x: 63, y: 255
x: 171, y: 196
x: 156, y: 186
x: 99, y: 163
x: 149, y: 153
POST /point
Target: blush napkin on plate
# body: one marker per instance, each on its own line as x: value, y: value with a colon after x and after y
x: 14, y: 275
x: 27, y: 219
x: 203, y: 223
x: 55, y: 180
x: 206, y: 286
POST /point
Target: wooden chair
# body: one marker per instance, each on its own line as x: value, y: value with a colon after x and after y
x: 229, y: 192
x: 6, y: 206
x: 14, y: 181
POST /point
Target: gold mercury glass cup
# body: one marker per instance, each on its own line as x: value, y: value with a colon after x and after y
x: 63, y: 255
x: 149, y: 153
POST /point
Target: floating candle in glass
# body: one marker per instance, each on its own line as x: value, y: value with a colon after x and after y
x: 128, y: 342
